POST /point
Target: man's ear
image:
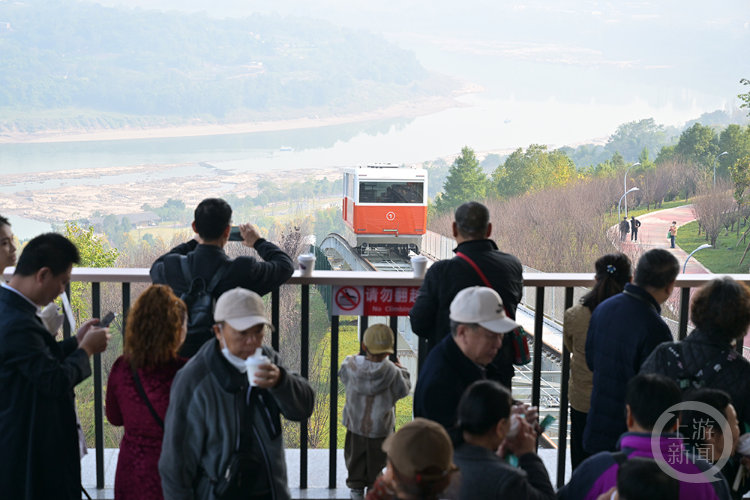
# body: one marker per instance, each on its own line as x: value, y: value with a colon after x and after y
x: 43, y: 274
x: 193, y: 226
x: 217, y: 332
x: 630, y: 421
x: 227, y: 231
x: 489, y: 230
x: 670, y: 287
x: 455, y: 230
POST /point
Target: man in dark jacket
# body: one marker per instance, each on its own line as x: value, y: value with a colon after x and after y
x: 444, y: 279
x: 623, y: 332
x: 634, y: 225
x: 624, y: 229
x: 39, y: 453
x: 478, y: 322
x: 206, y: 258
x: 213, y: 410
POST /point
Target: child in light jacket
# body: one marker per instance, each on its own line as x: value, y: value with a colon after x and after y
x: 373, y: 385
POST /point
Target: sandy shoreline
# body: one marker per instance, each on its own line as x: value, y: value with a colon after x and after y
x: 408, y: 109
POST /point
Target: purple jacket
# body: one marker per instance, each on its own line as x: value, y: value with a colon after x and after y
x: 598, y: 473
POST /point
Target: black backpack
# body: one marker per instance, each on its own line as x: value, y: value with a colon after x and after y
x: 200, y: 304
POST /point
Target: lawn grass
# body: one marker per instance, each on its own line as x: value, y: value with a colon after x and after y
x: 724, y: 258
x: 641, y: 210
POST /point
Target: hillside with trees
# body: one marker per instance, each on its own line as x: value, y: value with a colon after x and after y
x: 68, y: 64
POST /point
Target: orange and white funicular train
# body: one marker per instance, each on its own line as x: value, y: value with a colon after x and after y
x: 385, y: 206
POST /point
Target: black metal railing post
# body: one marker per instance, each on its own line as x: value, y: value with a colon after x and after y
x: 334, y: 413
x: 394, y: 326
x: 684, y: 313
x: 275, y: 299
x: 304, y: 364
x: 562, y: 429
x: 364, y: 323
x: 96, y: 306
x: 125, y: 308
x: 66, y: 325
x: 536, y: 381
x: 422, y: 351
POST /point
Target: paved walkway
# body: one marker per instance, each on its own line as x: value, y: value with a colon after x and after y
x: 653, y: 234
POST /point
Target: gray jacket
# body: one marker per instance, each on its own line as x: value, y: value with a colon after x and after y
x: 372, y: 390
x: 201, y: 425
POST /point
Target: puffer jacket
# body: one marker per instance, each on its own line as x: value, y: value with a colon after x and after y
x: 624, y: 330
x: 202, y: 424
x: 697, y: 350
x: 372, y: 390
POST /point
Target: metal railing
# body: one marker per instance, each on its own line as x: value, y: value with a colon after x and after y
x: 540, y: 281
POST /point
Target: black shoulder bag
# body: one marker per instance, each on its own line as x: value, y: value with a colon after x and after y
x: 139, y: 387
x: 243, y: 468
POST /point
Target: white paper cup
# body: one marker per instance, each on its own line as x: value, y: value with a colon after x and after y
x: 252, y: 364
x: 419, y: 265
x: 306, y: 264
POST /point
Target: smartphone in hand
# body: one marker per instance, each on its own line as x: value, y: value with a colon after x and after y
x: 107, y: 320
x: 235, y: 235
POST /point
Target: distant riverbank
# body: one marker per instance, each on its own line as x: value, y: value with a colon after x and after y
x: 405, y: 109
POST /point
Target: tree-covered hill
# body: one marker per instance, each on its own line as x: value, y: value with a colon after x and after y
x: 67, y: 55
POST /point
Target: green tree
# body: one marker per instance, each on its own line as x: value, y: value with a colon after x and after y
x: 745, y: 98
x: 532, y: 170
x: 630, y: 138
x: 127, y: 226
x: 735, y: 140
x: 698, y: 144
x: 93, y: 253
x: 466, y: 182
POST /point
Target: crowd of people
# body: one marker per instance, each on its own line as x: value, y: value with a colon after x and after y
x: 201, y: 395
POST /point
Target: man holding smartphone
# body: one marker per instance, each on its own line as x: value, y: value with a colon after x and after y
x: 206, y: 266
x: 39, y: 453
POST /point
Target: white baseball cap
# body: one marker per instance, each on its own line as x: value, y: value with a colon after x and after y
x: 241, y: 309
x: 481, y: 305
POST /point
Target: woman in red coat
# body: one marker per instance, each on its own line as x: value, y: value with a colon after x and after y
x: 156, y: 328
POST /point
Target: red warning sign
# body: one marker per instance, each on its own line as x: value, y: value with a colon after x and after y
x: 347, y: 300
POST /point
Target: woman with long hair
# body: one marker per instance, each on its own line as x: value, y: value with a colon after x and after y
x: 613, y: 271
x: 138, y: 389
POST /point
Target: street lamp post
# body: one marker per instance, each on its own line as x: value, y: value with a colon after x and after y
x: 705, y: 245
x: 626, y: 202
x: 722, y: 154
x: 625, y: 185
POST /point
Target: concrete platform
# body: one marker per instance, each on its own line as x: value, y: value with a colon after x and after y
x: 317, y: 475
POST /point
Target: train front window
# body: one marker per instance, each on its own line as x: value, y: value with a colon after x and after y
x: 391, y: 192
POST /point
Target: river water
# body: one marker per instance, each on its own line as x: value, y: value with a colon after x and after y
x: 524, y: 103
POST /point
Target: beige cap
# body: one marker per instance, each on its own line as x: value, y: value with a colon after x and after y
x: 418, y: 446
x: 481, y: 305
x: 378, y: 339
x: 241, y: 309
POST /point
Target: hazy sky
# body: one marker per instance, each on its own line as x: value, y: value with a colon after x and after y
x: 698, y: 44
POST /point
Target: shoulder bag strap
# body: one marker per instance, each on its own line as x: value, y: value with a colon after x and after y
x: 476, y: 268
x: 139, y: 387
x: 186, y: 270
x: 480, y: 273
x: 223, y: 268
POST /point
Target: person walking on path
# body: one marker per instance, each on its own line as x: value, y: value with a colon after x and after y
x: 672, y: 232
x: 624, y: 229
x: 634, y: 225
